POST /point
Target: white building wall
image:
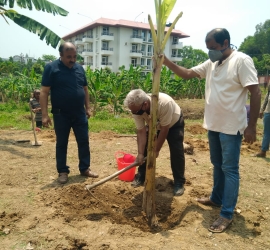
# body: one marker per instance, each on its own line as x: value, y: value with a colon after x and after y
x: 121, y: 45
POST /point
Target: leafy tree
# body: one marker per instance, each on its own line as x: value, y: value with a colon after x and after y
x: 191, y: 57
x: 29, y: 23
x: 37, y: 68
x: 258, y: 44
x: 48, y: 57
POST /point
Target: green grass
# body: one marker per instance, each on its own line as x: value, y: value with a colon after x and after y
x: 17, y: 116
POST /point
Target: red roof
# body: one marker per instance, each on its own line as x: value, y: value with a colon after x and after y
x: 119, y: 23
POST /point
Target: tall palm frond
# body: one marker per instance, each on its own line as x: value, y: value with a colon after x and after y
x: 30, y: 24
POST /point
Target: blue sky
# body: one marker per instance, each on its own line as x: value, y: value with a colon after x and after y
x: 238, y: 16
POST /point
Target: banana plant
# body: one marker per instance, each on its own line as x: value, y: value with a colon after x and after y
x: 163, y: 10
x: 30, y: 24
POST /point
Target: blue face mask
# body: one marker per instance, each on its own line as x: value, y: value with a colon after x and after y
x: 216, y: 55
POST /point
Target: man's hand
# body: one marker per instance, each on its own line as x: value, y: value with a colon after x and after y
x: 46, y: 121
x: 250, y: 134
x: 140, y: 159
x: 261, y: 115
x: 88, y: 113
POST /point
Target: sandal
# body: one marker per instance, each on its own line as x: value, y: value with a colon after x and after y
x: 207, y: 202
x: 220, y: 225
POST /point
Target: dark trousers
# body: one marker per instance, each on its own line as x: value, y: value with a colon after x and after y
x: 175, y: 140
x: 39, y: 124
x: 62, y: 125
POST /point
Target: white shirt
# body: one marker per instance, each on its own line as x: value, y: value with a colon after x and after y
x: 226, y: 92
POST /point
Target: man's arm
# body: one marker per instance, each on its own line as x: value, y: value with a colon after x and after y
x: 87, y: 101
x: 43, y: 99
x: 255, y: 103
x: 161, y: 137
x: 178, y: 70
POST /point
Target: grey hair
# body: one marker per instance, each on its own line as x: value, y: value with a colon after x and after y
x: 135, y: 97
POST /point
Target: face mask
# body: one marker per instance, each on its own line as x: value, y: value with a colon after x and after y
x: 216, y: 55
x: 140, y: 112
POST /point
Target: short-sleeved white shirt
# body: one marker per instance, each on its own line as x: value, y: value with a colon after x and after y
x: 168, y: 113
x: 226, y: 92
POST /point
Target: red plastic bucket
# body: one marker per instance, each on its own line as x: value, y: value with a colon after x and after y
x: 123, y: 160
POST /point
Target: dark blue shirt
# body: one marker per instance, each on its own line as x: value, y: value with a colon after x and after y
x: 66, y: 85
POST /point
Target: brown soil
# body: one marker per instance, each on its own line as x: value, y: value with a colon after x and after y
x: 38, y: 213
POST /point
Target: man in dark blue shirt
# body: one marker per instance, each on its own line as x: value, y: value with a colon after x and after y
x: 65, y: 81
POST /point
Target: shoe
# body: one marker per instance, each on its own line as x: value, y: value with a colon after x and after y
x: 89, y: 173
x: 138, y: 181
x: 62, y: 178
x: 261, y: 154
x: 207, y: 202
x: 178, y: 189
x: 220, y: 225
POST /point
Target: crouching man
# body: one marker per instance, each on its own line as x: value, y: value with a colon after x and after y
x: 170, y: 126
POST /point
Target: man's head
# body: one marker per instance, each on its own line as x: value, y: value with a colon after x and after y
x: 218, y: 42
x: 68, y: 54
x: 138, y: 102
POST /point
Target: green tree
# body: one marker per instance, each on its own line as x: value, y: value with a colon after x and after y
x: 48, y: 57
x: 258, y: 44
x: 191, y: 57
x: 30, y: 24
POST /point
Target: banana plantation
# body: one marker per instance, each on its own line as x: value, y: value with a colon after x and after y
x: 105, y: 87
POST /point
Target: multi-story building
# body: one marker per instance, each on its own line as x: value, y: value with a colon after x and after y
x: 115, y: 43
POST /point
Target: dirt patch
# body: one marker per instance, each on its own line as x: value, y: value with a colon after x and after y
x: 37, y: 212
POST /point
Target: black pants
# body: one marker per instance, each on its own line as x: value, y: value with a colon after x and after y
x: 175, y: 140
x: 39, y: 124
x: 62, y: 126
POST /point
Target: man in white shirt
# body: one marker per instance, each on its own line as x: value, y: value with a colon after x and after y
x: 229, y: 76
x: 170, y: 126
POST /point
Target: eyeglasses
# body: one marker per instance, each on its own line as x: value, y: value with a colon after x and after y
x: 137, y: 112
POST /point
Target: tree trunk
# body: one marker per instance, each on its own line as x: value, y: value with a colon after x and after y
x: 149, y: 205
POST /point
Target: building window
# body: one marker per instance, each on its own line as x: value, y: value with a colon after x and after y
x: 135, y: 33
x: 134, y: 61
x: 149, y: 36
x: 174, y: 52
x: 105, y: 45
x: 175, y: 40
x: 149, y: 50
x: 142, y: 61
x: 105, y: 30
x: 149, y: 63
x: 134, y: 47
x: 105, y: 60
x: 144, y: 35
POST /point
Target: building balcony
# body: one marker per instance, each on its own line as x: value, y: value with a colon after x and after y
x: 87, y: 39
x: 176, y: 58
x: 136, y: 39
x: 106, y: 36
x: 135, y: 53
x: 87, y: 52
x: 149, y: 54
x: 143, y: 53
x: 106, y: 65
x: 177, y: 45
x: 78, y: 41
x: 107, y: 51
